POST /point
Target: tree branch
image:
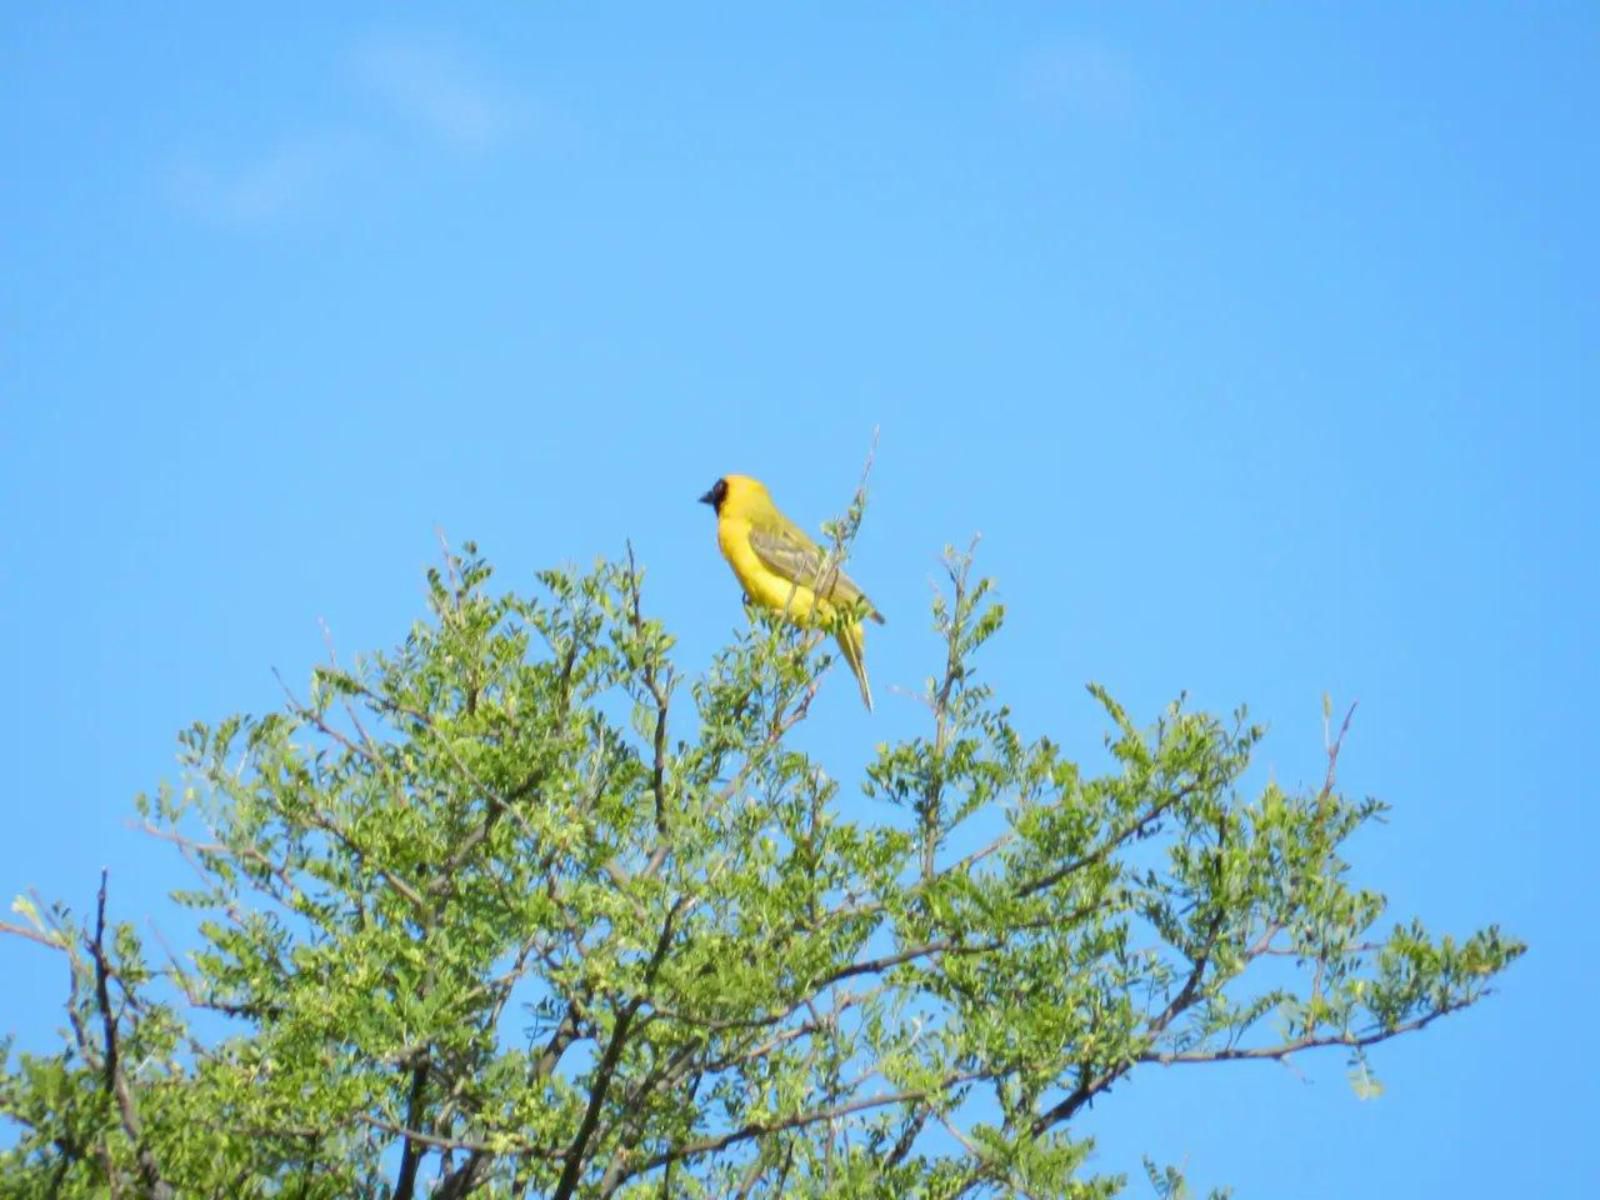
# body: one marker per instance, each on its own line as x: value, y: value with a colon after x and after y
x: 799, y: 1121
x: 116, y: 1080
x: 411, y: 1155
x: 1092, y: 1085
x: 1281, y: 1052
x: 442, y: 1143
x: 607, y: 1067
x: 1106, y: 848
x: 464, y: 1179
x: 33, y: 935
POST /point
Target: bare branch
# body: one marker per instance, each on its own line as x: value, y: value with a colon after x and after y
x: 1333, y: 748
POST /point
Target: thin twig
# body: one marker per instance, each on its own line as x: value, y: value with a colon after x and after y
x: 32, y: 935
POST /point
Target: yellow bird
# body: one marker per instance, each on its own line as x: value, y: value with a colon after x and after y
x: 782, y: 569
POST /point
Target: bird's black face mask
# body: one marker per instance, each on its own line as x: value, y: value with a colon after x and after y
x: 717, y: 494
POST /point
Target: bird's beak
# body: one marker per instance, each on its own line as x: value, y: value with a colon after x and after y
x: 710, y: 498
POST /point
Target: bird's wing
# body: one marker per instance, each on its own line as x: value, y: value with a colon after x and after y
x: 791, y: 554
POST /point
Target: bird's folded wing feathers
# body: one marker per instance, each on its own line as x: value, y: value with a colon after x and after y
x: 798, y: 559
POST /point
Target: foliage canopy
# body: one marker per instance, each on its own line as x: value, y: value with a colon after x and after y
x: 517, y: 909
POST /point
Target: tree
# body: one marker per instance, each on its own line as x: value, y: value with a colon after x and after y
x: 517, y: 909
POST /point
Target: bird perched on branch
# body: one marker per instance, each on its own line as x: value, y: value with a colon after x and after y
x: 782, y: 569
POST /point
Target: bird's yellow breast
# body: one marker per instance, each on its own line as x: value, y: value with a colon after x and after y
x: 762, y: 584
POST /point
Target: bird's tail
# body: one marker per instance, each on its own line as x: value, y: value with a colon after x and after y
x: 854, y: 645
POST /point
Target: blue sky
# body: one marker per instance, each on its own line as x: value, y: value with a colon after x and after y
x: 1259, y: 344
